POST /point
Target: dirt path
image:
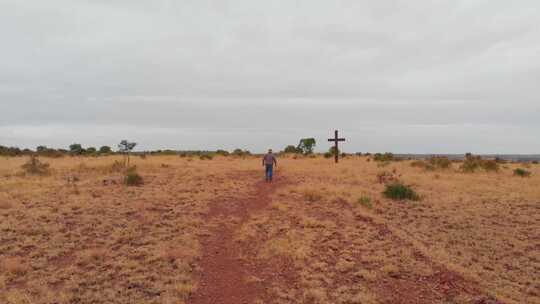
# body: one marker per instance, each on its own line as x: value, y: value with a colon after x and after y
x: 224, y: 276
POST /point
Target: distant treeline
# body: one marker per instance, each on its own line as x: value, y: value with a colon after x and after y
x: 79, y: 150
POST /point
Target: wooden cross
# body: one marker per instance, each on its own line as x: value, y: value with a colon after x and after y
x: 336, y: 139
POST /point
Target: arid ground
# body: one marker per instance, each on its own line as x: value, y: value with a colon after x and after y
x: 212, y: 231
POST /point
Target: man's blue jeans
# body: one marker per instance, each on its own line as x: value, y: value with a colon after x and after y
x: 269, y: 172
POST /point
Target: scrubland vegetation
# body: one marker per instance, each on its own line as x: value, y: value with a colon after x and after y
x: 74, y: 230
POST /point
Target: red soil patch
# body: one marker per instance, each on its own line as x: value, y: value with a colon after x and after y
x: 225, y: 276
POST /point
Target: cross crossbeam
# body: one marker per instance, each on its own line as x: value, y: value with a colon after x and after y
x: 336, y: 140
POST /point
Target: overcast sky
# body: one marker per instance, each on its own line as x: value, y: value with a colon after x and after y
x: 402, y: 76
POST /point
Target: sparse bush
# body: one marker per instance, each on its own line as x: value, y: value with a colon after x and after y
x: 534, y: 162
x: 522, y: 172
x: 48, y: 152
x: 105, y: 150
x: 240, y: 152
x: 11, y: 151
x: 222, y: 152
x: 399, y: 191
x: 473, y: 163
x: 292, y: 149
x: 490, y: 165
x: 386, y: 157
x: 328, y: 155
x: 365, y: 201
x: 132, y: 178
x: 35, y: 167
x: 206, y: 156
x: 433, y: 163
x: 440, y: 162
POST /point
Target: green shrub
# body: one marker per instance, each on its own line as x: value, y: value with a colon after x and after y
x: 399, y: 191
x: 522, y: 172
x: 383, y: 157
x: 328, y: 155
x: 222, y: 152
x: 132, y: 178
x: 365, y: 201
x: 35, y: 167
x: 206, y: 156
x: 292, y: 149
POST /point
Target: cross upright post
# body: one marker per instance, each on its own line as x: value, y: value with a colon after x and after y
x: 336, y: 140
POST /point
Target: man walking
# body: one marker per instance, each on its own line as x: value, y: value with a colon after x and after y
x: 268, y: 161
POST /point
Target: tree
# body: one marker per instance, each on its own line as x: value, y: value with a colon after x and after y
x: 306, y: 145
x: 41, y: 149
x: 105, y: 150
x: 76, y: 149
x: 222, y: 152
x: 332, y: 150
x: 91, y: 150
x: 292, y: 149
x: 125, y: 147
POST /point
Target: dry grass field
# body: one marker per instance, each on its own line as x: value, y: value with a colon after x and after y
x: 212, y: 231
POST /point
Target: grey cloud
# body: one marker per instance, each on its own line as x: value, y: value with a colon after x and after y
x: 279, y: 65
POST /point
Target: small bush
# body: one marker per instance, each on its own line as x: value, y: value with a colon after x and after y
x: 490, y: 165
x: 440, y: 162
x: 328, y: 155
x: 386, y: 157
x: 222, y: 152
x: 206, y: 157
x: 473, y: 163
x: 522, y: 172
x: 35, y: 167
x: 399, y: 191
x: 534, y: 162
x: 365, y: 201
x: 132, y: 178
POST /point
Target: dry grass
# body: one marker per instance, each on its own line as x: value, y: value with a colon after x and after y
x: 330, y: 231
x: 92, y: 239
x: 483, y: 228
